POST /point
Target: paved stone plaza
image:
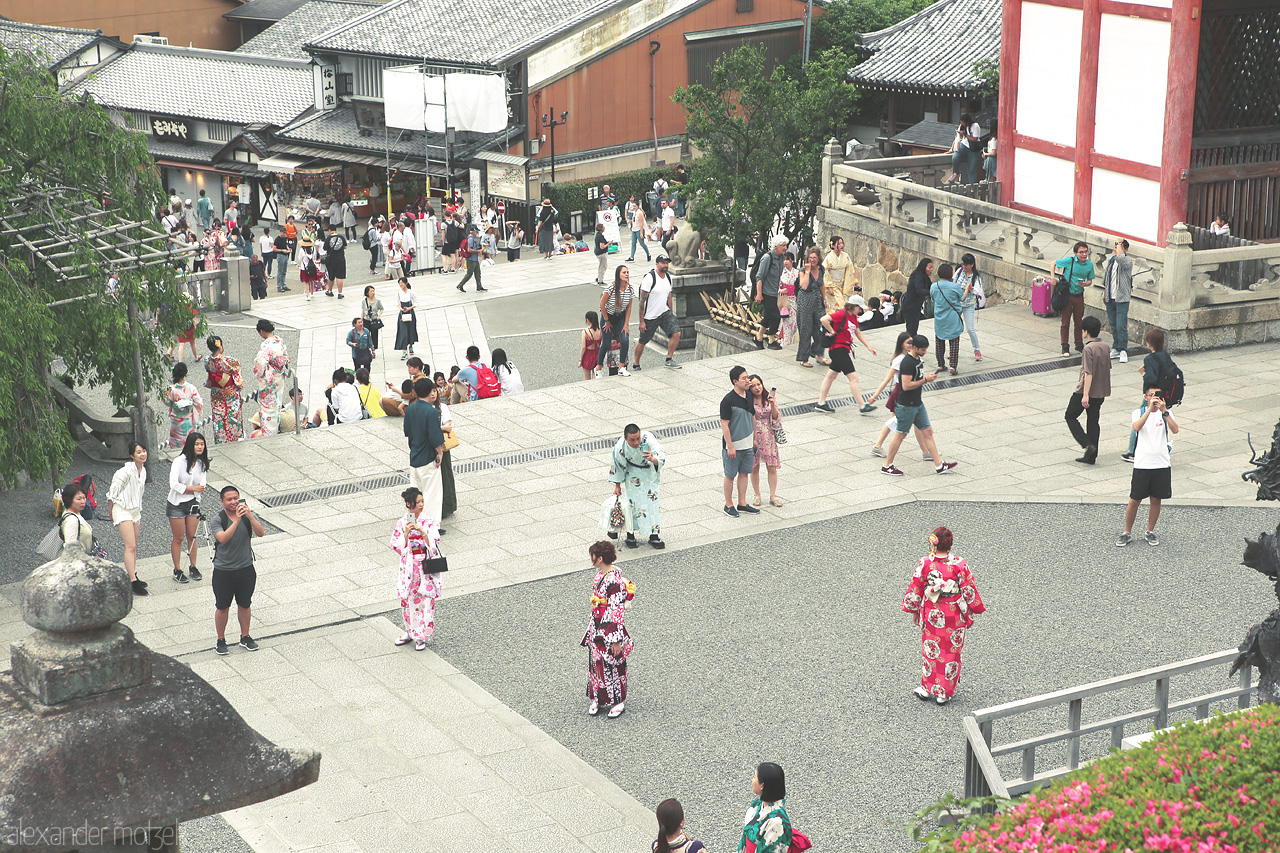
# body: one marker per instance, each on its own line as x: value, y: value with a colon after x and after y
x: 770, y: 637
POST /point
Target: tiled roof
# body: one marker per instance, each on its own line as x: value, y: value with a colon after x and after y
x: 204, y: 84
x: 54, y: 44
x: 264, y: 10
x: 338, y: 129
x: 928, y: 134
x: 933, y: 50
x: 459, y: 31
x: 196, y: 152
x: 287, y: 36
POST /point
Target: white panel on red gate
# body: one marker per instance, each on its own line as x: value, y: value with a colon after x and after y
x: 1047, y: 183
x: 1133, y: 80
x: 1049, y: 72
x: 1126, y: 204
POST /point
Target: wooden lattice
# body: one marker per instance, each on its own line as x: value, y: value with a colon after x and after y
x: 728, y: 311
x: 1237, y: 81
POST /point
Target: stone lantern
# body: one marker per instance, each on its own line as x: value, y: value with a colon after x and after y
x: 106, y: 745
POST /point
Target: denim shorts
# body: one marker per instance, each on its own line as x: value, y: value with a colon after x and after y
x: 740, y: 464
x: 909, y: 416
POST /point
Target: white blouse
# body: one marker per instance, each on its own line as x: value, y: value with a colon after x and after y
x: 127, y: 487
x: 180, y: 478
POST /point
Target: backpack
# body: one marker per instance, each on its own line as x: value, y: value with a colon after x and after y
x: 1172, y: 382
x: 487, y: 384
x: 366, y: 240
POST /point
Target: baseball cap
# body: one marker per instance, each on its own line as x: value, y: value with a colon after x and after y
x: 859, y: 301
x: 188, y: 201
x: 662, y: 258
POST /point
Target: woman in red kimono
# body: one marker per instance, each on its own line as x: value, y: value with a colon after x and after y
x: 942, y: 598
x: 606, y: 637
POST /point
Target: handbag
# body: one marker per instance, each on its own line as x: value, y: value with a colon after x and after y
x: 435, y: 565
x: 406, y: 317
x: 779, y: 435
x: 1061, y: 289
x: 451, y: 440
x: 892, y: 403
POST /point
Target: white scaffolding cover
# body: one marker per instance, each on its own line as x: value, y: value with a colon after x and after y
x: 414, y: 101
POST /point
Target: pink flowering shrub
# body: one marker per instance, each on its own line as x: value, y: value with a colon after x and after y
x: 1211, y: 787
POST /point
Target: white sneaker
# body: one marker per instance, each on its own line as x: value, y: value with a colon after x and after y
x: 878, y: 451
x: 622, y: 371
x: 308, y: 297
x: 1115, y: 353
x: 597, y: 373
x: 1124, y: 358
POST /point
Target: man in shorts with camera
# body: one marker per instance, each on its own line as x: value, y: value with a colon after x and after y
x: 658, y: 311
x: 1152, y: 470
x: 234, y: 577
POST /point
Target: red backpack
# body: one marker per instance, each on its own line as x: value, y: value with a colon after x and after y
x: 487, y: 384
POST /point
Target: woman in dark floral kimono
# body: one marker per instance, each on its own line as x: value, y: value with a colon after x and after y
x: 606, y: 638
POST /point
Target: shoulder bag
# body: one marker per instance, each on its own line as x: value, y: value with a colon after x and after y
x: 1062, y: 288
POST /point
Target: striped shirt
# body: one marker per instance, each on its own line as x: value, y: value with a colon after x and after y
x: 127, y: 487
x: 616, y: 304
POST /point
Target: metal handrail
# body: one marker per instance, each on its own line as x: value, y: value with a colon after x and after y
x: 983, y: 778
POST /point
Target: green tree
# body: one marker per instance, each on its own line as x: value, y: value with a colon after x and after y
x: 56, y: 152
x: 842, y: 20
x: 761, y: 137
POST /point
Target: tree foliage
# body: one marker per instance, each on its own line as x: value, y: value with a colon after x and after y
x: 72, y: 148
x: 842, y: 20
x: 761, y: 137
x: 987, y: 71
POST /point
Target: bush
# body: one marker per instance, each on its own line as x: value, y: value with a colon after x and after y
x: 572, y: 195
x: 1210, y: 787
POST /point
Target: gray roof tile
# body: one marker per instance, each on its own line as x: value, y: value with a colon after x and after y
x: 287, y: 36
x: 459, y: 31
x: 264, y: 10
x: 929, y: 134
x: 934, y: 49
x: 54, y: 44
x: 204, y: 84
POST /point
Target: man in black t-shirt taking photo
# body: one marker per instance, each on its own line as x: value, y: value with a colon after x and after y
x: 233, y: 574
x: 910, y: 411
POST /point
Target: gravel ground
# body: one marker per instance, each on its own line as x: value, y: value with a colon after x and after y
x: 745, y: 653
x: 28, y: 510
x: 211, y: 835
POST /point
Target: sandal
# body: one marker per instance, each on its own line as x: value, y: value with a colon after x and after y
x: 977, y: 355
x: 403, y: 639
x: 806, y: 364
x: 617, y: 710
x: 775, y: 501
x: 953, y: 371
x: 756, y: 502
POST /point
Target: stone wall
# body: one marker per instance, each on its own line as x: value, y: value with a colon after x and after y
x: 715, y: 340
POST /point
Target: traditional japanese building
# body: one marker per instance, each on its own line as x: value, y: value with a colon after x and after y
x: 924, y: 65
x: 1130, y: 117
x: 68, y: 53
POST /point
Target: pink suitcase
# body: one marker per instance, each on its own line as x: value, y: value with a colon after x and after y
x: 1041, y: 298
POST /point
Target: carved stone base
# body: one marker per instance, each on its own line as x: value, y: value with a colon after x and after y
x: 57, y: 668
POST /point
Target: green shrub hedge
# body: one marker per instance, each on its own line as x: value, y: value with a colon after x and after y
x: 569, y: 196
x: 1209, y: 787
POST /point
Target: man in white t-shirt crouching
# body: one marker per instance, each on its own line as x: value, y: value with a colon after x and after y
x: 1152, y: 470
x: 657, y: 311
x: 344, y: 401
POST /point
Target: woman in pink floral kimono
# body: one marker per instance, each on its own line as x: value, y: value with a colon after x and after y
x: 942, y: 598
x: 606, y: 638
x: 415, y: 539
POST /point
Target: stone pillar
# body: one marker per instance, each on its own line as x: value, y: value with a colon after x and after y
x: 687, y: 285
x: 831, y: 155
x: 1176, y: 293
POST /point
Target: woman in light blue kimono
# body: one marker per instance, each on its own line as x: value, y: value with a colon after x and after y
x: 636, y: 467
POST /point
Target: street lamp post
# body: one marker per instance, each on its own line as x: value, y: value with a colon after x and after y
x: 553, y: 124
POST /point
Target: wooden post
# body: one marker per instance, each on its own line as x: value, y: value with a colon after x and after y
x: 1086, y: 109
x: 1010, y: 48
x: 1179, y: 112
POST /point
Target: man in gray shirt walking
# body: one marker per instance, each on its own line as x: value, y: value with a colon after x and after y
x: 768, y: 277
x: 233, y: 574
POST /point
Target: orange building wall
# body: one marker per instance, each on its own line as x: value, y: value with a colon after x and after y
x: 184, y: 22
x: 608, y: 100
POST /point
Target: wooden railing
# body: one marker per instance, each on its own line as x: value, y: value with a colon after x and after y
x: 1241, y: 180
x: 983, y: 778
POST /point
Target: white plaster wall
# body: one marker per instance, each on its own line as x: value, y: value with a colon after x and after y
x: 1048, y: 73
x: 1044, y: 182
x: 1159, y: 4
x: 1133, y: 74
x: 1125, y: 204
